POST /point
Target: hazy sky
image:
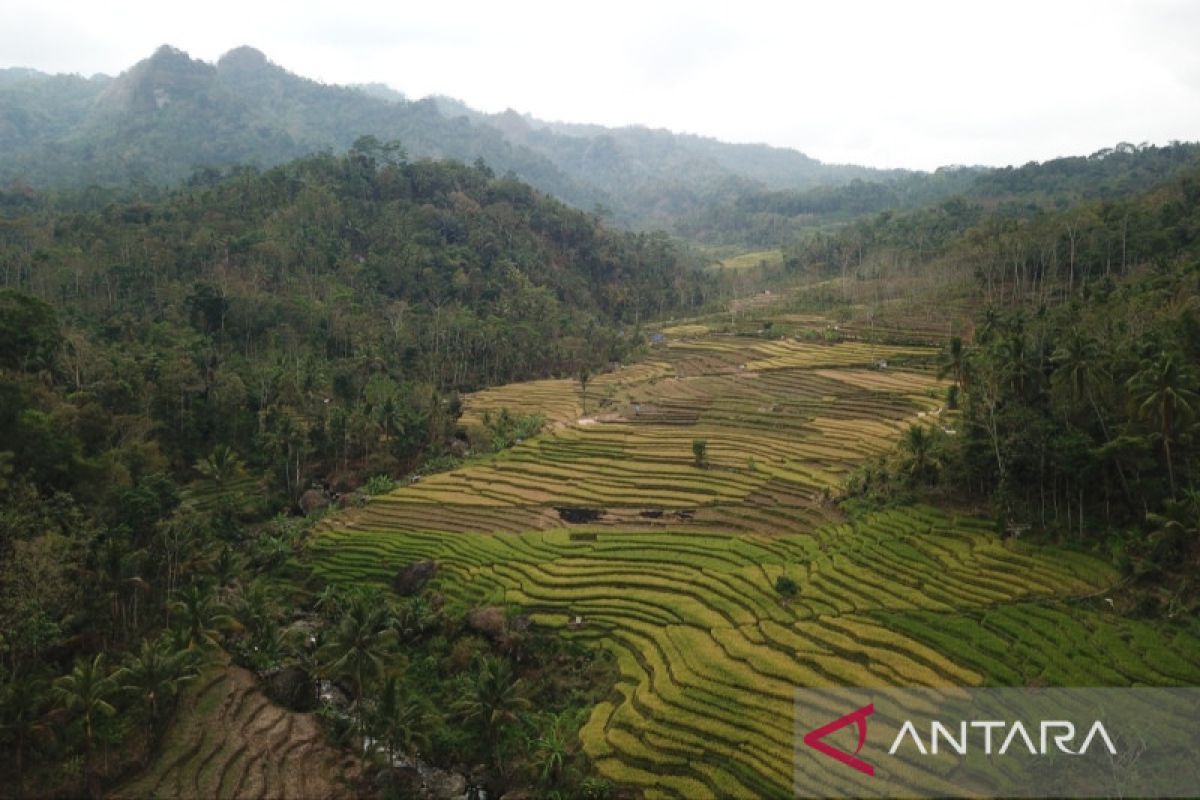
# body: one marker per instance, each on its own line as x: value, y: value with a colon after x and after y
x: 901, y: 83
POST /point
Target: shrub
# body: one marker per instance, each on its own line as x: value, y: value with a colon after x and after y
x: 786, y: 586
x: 379, y: 484
x: 506, y: 429
x: 597, y: 789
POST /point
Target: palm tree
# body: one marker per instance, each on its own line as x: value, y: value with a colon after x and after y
x: 86, y: 691
x: 359, y: 645
x: 390, y: 418
x: 921, y: 459
x: 329, y: 601
x: 1013, y: 360
x: 1177, y: 528
x: 585, y: 375
x: 154, y: 675
x: 201, y: 617
x: 1161, y: 390
x: 221, y: 467
x: 954, y: 363
x: 401, y: 721
x: 116, y: 569
x: 414, y: 617
x: 255, y: 610
x: 227, y: 566
x: 492, y: 700
x: 21, y: 705
x: 989, y: 326
x: 1081, y: 361
x: 551, y: 750
x: 183, y: 539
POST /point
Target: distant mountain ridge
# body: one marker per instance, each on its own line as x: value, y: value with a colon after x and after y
x: 170, y: 114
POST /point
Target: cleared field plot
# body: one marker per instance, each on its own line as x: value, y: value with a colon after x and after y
x: 559, y: 399
x: 230, y: 741
x: 885, y: 380
x: 674, y: 564
x: 908, y: 322
x: 686, y: 330
x: 783, y: 354
x: 205, y: 496
x: 758, y: 258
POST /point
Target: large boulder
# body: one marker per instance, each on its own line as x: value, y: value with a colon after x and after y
x: 488, y: 620
x: 313, y: 500
x: 292, y: 687
x: 412, y: 579
x: 579, y: 516
x: 444, y: 785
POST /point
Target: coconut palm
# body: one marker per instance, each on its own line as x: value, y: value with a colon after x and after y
x: 550, y: 750
x: 401, y: 721
x: 1177, y: 528
x: 919, y: 446
x: 87, y: 692
x: 221, y: 467
x: 154, y: 674
x: 988, y: 327
x: 201, y: 618
x: 22, y: 706
x: 585, y: 376
x: 1162, y: 391
x: 953, y: 363
x: 414, y: 617
x: 228, y: 566
x: 359, y: 645
x: 492, y: 699
x: 1081, y: 363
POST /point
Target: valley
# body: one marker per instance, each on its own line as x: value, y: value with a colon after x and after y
x: 357, y: 445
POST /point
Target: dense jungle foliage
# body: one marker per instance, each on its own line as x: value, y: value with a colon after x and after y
x: 1079, y: 392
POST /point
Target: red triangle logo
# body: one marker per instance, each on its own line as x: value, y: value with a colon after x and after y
x: 859, y: 717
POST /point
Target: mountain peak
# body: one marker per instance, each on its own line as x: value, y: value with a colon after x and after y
x: 156, y: 82
x: 512, y: 123
x: 166, y: 54
x: 244, y: 57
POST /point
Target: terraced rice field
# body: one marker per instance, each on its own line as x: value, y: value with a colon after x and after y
x: 231, y: 741
x: 204, y: 496
x: 677, y: 574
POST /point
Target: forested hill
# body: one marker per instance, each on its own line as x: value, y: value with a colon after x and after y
x: 170, y: 114
x: 758, y: 217
x: 305, y: 314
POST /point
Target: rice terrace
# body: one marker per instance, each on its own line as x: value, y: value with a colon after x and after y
x: 613, y: 529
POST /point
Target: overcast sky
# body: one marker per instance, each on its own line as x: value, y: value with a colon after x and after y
x: 905, y: 83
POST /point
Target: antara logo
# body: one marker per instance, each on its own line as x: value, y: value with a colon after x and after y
x: 813, y: 739
x: 1061, y: 732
